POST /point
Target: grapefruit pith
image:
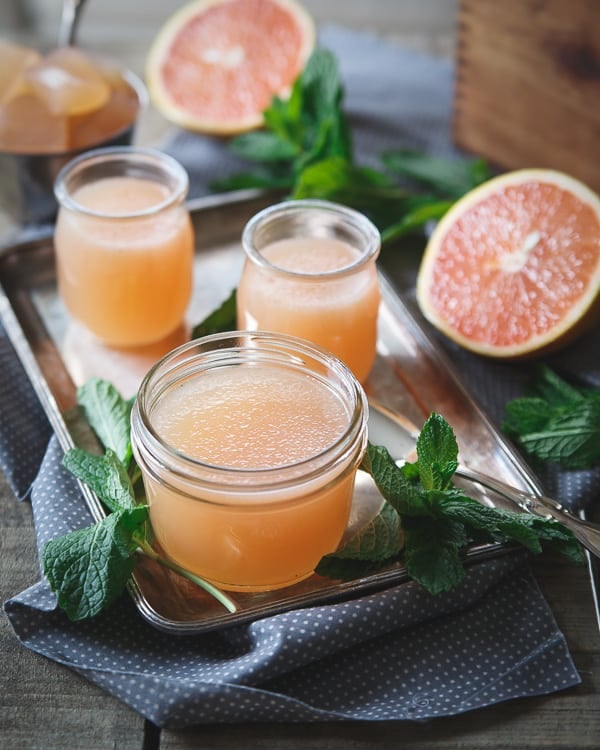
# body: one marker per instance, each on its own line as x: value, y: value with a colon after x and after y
x: 513, y: 269
x: 216, y: 64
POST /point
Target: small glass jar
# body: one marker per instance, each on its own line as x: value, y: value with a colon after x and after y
x: 124, y: 244
x: 248, y: 444
x: 310, y: 272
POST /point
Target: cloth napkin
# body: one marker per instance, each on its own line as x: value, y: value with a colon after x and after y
x: 399, y: 654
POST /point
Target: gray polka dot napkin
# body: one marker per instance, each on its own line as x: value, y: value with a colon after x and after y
x: 24, y: 429
x: 399, y: 654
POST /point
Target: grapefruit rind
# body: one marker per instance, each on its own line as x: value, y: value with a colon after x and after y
x: 162, y: 44
x: 579, y: 318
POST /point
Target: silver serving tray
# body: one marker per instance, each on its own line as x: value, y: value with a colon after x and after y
x: 411, y: 378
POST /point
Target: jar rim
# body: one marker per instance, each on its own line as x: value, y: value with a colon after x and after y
x: 142, y: 157
x: 283, y: 351
x: 350, y: 216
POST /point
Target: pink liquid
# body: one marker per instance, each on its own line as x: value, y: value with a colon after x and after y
x: 339, y: 313
x: 252, y: 417
x: 128, y: 280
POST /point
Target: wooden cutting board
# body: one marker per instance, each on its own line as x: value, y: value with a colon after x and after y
x: 528, y: 84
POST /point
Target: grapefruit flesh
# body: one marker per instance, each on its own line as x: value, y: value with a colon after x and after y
x: 513, y: 269
x: 216, y: 64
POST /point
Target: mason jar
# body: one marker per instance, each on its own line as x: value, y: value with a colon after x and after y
x: 248, y: 444
x: 310, y: 272
x: 124, y: 244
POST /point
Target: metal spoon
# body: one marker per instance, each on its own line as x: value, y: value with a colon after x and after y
x: 401, y: 433
x: 69, y: 22
x: 587, y: 532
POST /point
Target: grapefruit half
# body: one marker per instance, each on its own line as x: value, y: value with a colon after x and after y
x: 513, y: 269
x: 216, y: 64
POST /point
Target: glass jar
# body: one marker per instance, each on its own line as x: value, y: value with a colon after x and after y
x: 310, y: 272
x: 124, y: 244
x: 248, y: 444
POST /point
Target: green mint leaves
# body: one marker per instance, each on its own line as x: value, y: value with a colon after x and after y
x: 438, y: 520
x: 306, y: 150
x: 88, y: 569
x: 108, y: 414
x: 450, y: 177
x: 305, y: 128
x: 379, y: 541
x: 220, y: 320
x: 105, y: 475
x: 557, y: 422
x: 424, y: 517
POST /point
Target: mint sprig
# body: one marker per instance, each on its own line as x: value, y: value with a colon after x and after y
x: 424, y: 517
x: 557, y: 422
x: 306, y: 150
x: 89, y: 568
x: 305, y: 128
x: 438, y: 519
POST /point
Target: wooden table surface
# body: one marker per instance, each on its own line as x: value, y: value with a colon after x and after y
x: 44, y: 705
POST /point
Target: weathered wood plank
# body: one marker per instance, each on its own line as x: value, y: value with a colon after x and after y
x: 528, y: 84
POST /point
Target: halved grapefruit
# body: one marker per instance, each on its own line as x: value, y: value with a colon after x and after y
x: 513, y: 269
x: 216, y: 64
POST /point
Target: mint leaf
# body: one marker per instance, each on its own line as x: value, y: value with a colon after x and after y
x: 378, y: 540
x: 428, y: 210
x: 283, y: 116
x: 402, y: 494
x: 570, y: 439
x: 108, y: 413
x: 449, y: 177
x: 433, y: 553
x: 263, y: 146
x: 362, y: 188
x: 105, y: 475
x: 559, y: 422
x: 554, y: 390
x: 437, y: 453
x: 326, y: 129
x: 527, y: 414
x: 532, y: 532
x: 89, y: 568
x: 220, y: 320
x: 498, y: 524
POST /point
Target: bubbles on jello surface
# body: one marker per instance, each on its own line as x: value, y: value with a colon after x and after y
x: 65, y: 101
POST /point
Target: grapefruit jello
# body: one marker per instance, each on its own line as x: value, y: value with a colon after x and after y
x: 249, y: 445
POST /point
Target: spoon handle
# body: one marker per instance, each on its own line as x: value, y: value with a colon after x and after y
x: 69, y: 22
x: 588, y: 533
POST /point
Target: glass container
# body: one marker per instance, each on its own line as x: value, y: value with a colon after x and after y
x: 248, y: 444
x: 310, y: 272
x: 124, y: 244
